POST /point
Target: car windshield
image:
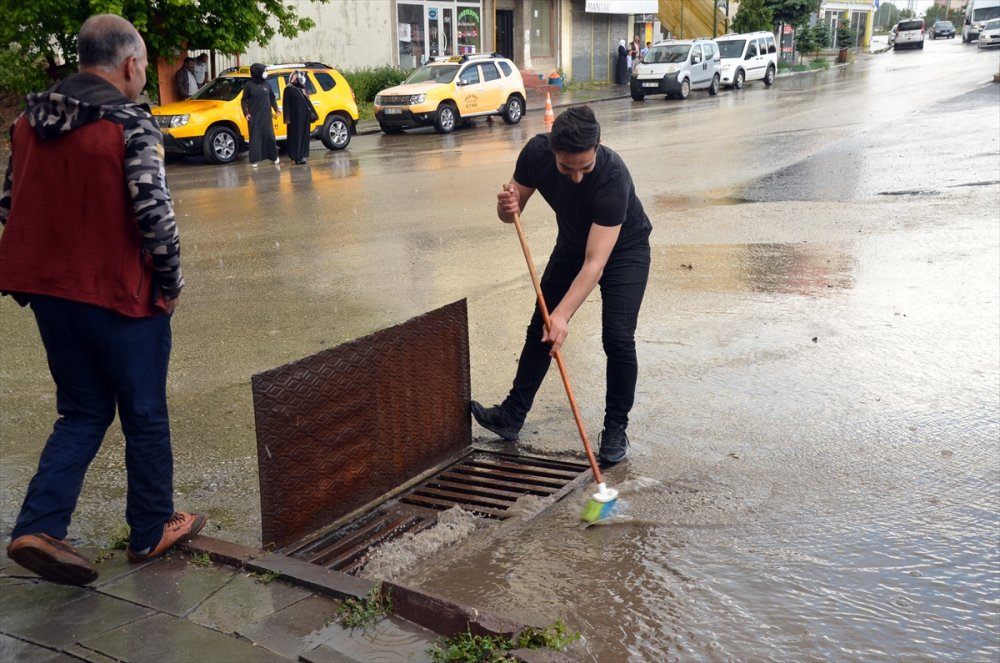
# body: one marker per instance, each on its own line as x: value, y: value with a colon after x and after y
x: 668, y: 53
x: 441, y: 73
x: 225, y: 88
x: 732, y: 48
x: 986, y: 13
x: 944, y: 25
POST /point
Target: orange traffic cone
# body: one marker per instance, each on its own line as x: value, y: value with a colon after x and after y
x: 550, y: 117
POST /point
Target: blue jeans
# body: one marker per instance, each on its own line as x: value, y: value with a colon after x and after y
x: 101, y: 360
x: 623, y: 285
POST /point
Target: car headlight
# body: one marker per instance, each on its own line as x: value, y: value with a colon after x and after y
x: 173, y: 121
x: 417, y: 98
x: 671, y: 69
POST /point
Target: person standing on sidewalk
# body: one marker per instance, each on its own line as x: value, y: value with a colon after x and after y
x: 259, y: 105
x: 602, y: 239
x: 94, y: 251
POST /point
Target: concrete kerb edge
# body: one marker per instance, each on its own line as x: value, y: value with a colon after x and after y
x: 437, y: 614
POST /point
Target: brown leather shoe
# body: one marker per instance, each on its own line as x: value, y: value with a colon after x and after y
x: 180, y: 527
x: 52, y: 559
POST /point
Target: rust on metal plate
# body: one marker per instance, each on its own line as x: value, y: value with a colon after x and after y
x: 343, y: 428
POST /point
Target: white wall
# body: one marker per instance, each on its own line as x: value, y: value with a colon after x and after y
x: 349, y: 35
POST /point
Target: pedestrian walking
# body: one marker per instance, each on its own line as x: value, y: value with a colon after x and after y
x: 94, y: 252
x: 299, y: 115
x: 259, y: 105
x: 602, y: 239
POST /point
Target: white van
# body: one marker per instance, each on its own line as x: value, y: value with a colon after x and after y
x: 977, y: 12
x: 752, y: 56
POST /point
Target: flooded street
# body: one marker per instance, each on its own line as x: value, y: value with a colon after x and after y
x: 815, y: 468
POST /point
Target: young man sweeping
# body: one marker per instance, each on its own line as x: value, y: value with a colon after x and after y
x: 603, y: 239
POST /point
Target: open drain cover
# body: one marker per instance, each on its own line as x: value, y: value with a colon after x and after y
x: 482, y: 482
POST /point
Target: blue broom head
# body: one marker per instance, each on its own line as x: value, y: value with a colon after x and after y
x: 601, y: 504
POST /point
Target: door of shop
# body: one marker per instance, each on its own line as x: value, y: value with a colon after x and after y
x: 505, y: 33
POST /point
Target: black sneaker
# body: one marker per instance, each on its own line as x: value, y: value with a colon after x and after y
x: 614, y: 446
x: 497, y: 420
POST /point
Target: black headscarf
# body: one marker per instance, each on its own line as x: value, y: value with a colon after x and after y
x: 257, y: 72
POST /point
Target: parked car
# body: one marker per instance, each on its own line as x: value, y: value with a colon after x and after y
x: 990, y: 34
x: 748, y: 57
x: 444, y: 92
x: 909, y: 34
x: 943, y: 30
x: 674, y: 67
x: 211, y: 123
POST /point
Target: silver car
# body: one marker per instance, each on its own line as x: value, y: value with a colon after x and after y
x: 990, y: 34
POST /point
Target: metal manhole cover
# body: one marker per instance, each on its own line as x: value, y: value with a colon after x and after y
x: 485, y: 483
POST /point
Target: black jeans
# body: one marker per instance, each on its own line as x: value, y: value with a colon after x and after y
x: 623, y: 285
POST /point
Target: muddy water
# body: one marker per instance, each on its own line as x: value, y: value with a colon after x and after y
x: 815, y: 465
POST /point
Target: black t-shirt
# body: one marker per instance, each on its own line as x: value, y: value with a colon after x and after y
x: 606, y: 196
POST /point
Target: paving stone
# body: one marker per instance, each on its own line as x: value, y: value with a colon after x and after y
x: 167, y: 639
x: 298, y: 628
x: 312, y: 576
x: 244, y: 604
x: 12, y: 649
x: 391, y: 640
x: 58, y: 615
x: 170, y: 584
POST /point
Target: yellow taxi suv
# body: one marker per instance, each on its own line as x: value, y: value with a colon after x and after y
x: 447, y: 91
x: 211, y: 123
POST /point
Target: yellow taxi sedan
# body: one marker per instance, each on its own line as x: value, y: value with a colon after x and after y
x: 447, y: 91
x: 212, y: 124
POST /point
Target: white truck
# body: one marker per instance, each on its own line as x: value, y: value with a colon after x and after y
x: 977, y: 12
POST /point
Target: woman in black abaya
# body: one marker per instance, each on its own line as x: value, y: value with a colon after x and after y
x: 621, y: 65
x: 299, y: 114
x: 258, y: 100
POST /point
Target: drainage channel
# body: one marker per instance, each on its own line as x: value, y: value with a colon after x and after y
x: 485, y: 483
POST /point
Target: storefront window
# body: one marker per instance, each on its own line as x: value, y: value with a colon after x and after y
x: 541, y: 28
x: 410, y: 33
x: 469, y: 33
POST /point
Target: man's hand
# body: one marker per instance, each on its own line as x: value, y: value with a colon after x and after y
x: 170, y: 304
x: 508, y: 203
x: 556, y: 333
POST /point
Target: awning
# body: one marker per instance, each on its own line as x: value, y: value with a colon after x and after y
x: 622, y: 6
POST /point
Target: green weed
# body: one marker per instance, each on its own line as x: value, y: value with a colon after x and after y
x: 363, y: 613
x: 468, y: 648
x: 554, y: 636
x: 265, y: 578
x: 119, y: 537
x: 201, y: 559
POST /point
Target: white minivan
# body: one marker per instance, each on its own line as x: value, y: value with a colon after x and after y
x: 752, y: 56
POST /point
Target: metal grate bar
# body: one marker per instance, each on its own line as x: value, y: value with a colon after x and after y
x: 460, y: 498
x: 443, y: 505
x: 486, y: 490
x: 508, y: 476
x: 522, y: 468
x: 521, y: 488
x: 348, y: 551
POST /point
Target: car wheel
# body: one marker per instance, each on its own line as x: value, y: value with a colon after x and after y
x: 739, y: 80
x: 769, y: 77
x: 514, y: 110
x: 713, y: 89
x: 638, y: 96
x: 444, y: 120
x: 389, y: 130
x: 336, y: 133
x: 685, y: 89
x: 221, y: 145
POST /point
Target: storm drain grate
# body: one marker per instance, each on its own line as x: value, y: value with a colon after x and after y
x: 484, y: 483
x: 489, y: 484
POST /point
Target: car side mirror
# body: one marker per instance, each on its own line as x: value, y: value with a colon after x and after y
x: 749, y: 55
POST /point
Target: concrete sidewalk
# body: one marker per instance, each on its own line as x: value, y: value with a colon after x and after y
x: 216, y: 602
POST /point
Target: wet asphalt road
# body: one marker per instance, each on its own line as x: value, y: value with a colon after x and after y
x: 815, y: 441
